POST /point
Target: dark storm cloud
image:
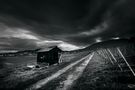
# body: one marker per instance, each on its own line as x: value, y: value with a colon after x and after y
x: 122, y: 18
x: 79, y: 22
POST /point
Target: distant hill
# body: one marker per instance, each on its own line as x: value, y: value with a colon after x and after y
x: 109, y: 44
x: 106, y: 44
x: 19, y: 53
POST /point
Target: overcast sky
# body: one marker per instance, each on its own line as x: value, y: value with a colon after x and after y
x: 70, y: 24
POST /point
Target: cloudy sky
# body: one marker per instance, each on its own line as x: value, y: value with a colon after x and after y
x: 70, y: 24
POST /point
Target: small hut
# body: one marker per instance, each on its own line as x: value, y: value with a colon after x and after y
x: 50, y: 56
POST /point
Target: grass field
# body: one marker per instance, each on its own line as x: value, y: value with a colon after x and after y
x: 100, y: 74
x: 16, y: 75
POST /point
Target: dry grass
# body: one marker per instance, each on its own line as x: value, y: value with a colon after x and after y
x: 21, y: 77
x: 101, y: 75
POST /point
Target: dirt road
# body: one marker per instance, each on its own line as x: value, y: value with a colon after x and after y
x: 79, y: 67
x: 90, y: 73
